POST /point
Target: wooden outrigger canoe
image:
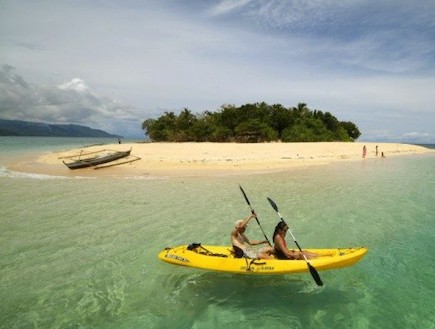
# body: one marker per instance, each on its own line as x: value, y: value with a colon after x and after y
x: 97, y: 160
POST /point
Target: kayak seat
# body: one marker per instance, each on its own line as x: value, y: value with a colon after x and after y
x: 237, y: 252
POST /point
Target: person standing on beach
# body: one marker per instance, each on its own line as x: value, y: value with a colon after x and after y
x: 364, y: 152
x: 376, y: 150
x: 240, y: 241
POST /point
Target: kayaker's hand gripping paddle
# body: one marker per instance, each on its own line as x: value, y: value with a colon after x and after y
x: 255, y: 215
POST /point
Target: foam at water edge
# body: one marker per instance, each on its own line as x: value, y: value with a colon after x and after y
x: 4, y: 172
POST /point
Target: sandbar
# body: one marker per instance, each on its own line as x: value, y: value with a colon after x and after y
x: 211, y: 159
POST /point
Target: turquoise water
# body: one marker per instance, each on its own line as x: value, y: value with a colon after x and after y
x: 81, y: 253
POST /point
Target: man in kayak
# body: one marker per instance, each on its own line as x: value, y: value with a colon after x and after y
x: 242, y: 245
x: 280, y: 245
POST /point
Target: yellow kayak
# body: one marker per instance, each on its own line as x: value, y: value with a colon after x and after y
x: 221, y: 258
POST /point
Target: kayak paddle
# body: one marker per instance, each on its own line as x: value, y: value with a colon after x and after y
x: 253, y: 212
x: 313, y: 271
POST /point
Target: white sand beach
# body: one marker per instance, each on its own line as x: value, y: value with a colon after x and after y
x: 208, y: 159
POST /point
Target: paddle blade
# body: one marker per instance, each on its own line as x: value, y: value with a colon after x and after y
x: 273, y: 204
x: 315, y: 275
x: 244, y: 194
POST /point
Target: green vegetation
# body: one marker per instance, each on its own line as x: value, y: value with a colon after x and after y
x: 257, y: 122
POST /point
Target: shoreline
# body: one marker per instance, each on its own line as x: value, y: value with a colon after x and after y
x: 214, y: 159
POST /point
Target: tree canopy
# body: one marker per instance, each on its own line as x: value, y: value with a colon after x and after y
x: 257, y: 122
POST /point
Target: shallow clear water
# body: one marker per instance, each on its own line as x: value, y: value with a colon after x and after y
x: 81, y: 253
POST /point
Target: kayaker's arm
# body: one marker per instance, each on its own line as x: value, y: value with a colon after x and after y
x: 247, y: 219
x: 256, y: 242
x: 245, y: 223
x: 242, y: 224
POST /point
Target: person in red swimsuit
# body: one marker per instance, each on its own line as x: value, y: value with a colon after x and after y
x: 280, y: 245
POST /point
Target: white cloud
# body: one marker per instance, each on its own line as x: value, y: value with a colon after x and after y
x: 70, y: 102
x: 75, y: 84
x: 411, y: 137
x: 416, y: 135
x: 227, y: 6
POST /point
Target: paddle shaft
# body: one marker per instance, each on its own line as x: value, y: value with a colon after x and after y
x: 255, y: 215
x: 313, y: 271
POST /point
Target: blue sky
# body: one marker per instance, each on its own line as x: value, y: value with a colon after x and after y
x: 112, y: 64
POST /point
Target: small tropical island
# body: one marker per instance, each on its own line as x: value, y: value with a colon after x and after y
x: 250, y: 139
x: 251, y: 123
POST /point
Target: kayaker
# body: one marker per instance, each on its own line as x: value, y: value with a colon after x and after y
x: 280, y: 245
x: 241, y: 243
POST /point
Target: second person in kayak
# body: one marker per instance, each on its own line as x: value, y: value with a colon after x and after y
x: 281, y: 251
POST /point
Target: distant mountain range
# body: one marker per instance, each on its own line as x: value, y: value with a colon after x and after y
x: 25, y: 128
